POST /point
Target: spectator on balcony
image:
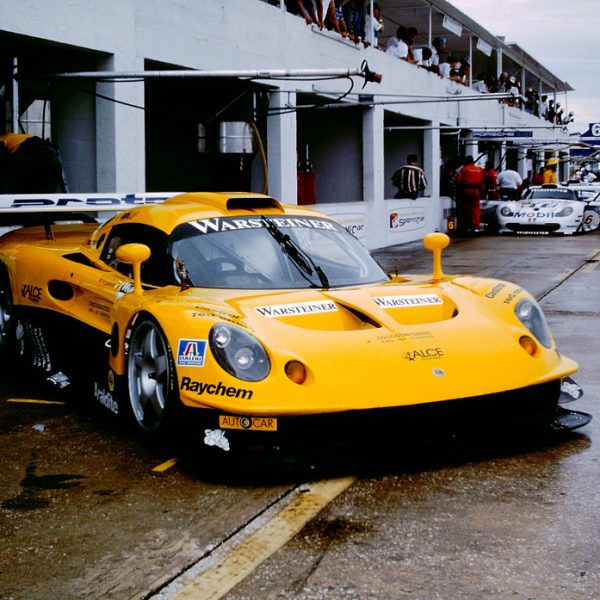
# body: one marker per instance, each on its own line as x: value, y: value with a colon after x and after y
x: 438, y: 47
x: 335, y: 18
x: 354, y: 15
x: 448, y: 65
x: 374, y: 24
x: 480, y: 85
x: 310, y: 11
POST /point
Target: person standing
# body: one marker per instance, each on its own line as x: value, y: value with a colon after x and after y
x: 409, y: 179
x: 489, y: 179
x: 471, y: 185
x: 550, y: 171
x: 509, y: 182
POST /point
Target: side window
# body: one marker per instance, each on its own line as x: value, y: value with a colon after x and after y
x: 157, y: 270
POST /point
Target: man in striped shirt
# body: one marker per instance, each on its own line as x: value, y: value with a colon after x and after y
x: 409, y: 179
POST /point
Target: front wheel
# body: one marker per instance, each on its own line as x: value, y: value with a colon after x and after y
x: 150, y: 378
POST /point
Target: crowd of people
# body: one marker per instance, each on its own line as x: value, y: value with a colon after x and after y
x: 349, y: 18
x: 352, y: 20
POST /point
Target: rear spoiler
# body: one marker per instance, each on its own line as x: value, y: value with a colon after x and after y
x: 11, y: 204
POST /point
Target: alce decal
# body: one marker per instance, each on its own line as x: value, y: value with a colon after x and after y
x: 33, y: 293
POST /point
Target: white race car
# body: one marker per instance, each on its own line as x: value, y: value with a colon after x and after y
x: 550, y: 209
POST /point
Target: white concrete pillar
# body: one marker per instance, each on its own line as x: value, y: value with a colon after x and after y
x: 120, y: 130
x: 373, y: 172
x: 432, y: 159
x: 282, y: 157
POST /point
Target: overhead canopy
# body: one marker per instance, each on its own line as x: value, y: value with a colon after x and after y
x: 465, y: 37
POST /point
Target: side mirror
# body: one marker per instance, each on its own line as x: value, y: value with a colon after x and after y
x: 134, y: 255
x: 436, y: 242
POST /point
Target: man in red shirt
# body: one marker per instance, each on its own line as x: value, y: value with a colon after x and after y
x: 470, y: 183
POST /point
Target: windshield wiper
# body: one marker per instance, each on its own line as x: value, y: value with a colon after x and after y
x: 306, y: 265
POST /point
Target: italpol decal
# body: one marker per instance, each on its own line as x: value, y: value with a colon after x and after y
x: 214, y: 389
x: 217, y: 224
x: 295, y: 309
x: 191, y: 353
x: 512, y: 295
x: 407, y: 301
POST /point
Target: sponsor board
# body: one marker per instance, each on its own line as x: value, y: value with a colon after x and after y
x: 296, y: 309
x: 191, y: 353
x: 248, y: 423
x: 407, y: 219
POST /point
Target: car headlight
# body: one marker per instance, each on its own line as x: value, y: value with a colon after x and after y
x: 565, y: 212
x: 531, y: 315
x: 506, y: 211
x: 239, y: 352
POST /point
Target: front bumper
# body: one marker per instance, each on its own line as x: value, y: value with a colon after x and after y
x: 534, y: 407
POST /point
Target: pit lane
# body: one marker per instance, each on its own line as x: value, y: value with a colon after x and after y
x: 89, y: 512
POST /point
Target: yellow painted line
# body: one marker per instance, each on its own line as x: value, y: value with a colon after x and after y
x: 221, y: 577
x: 33, y: 401
x: 166, y: 465
x: 562, y: 276
x: 589, y: 267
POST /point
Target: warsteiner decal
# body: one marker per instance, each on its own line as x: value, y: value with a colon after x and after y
x: 191, y: 353
x: 407, y: 301
x: 214, y: 389
x: 295, y: 309
x: 218, y: 224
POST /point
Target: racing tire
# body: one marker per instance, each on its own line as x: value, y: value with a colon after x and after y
x: 151, y: 379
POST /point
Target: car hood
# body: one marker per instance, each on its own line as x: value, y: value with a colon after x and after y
x: 393, y: 344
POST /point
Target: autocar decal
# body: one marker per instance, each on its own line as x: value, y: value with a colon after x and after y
x: 407, y: 301
x: 296, y: 309
x: 191, y: 353
x: 248, y: 423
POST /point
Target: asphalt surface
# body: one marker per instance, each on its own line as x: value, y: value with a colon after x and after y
x: 84, y: 515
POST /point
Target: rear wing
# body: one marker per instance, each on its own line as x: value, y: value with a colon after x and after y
x: 11, y: 204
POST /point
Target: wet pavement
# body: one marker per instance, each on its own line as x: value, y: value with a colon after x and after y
x: 83, y: 514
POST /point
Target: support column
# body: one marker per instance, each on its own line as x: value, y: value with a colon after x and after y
x: 281, y: 149
x: 432, y: 160
x: 373, y: 162
x: 120, y: 130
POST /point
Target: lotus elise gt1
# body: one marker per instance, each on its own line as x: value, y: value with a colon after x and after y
x: 551, y: 209
x: 247, y: 323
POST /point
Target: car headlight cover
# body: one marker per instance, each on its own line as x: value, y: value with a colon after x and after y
x: 239, y: 352
x: 565, y: 212
x: 531, y: 315
x: 506, y: 211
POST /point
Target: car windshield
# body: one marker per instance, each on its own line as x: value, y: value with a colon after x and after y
x: 550, y: 194
x: 270, y: 252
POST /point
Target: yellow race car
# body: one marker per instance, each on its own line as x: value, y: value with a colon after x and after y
x: 246, y: 323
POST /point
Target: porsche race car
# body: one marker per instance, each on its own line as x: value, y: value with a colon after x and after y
x: 549, y: 209
x: 245, y: 323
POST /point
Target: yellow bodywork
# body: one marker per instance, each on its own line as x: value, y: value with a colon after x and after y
x: 410, y: 340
